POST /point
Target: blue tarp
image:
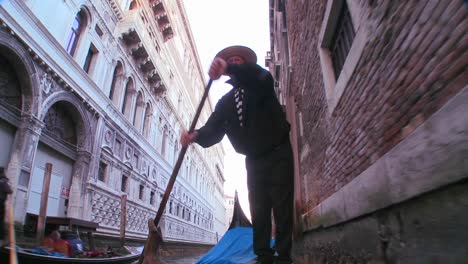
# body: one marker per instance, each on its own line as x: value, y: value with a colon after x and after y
x: 234, y: 248
x: 42, y: 251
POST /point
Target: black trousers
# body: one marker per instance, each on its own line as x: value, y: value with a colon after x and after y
x: 270, y: 181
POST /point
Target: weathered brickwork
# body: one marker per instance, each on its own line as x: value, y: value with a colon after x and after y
x: 414, y: 61
x: 307, y: 86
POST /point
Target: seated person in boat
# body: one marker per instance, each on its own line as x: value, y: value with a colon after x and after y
x: 56, y: 243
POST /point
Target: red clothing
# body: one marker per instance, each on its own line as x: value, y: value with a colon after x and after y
x: 64, y: 247
x: 48, y: 242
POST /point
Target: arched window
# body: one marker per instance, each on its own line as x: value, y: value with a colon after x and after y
x: 163, y: 144
x: 77, y: 28
x: 128, y: 99
x: 114, y: 90
x: 147, y: 121
x: 176, y: 150
x: 133, y: 5
x: 138, y: 113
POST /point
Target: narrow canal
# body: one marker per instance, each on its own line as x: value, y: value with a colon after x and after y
x: 181, y: 259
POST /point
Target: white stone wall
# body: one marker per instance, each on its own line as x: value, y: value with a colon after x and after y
x: 43, y: 27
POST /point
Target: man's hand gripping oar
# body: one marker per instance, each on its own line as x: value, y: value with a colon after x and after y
x: 150, y: 251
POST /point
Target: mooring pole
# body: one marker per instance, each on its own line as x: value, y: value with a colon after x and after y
x: 41, y: 219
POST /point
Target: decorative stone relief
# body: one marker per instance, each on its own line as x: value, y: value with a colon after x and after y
x: 105, y: 205
x: 46, y: 83
x: 118, y: 147
x: 144, y: 167
x: 128, y: 153
x: 59, y: 125
x: 33, y: 124
x: 137, y: 218
x: 175, y: 229
x: 163, y: 183
x: 105, y: 210
x: 108, y: 137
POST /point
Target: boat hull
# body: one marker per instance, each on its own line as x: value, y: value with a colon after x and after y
x: 31, y: 258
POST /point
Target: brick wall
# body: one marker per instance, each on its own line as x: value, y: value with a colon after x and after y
x: 414, y: 61
x: 307, y: 88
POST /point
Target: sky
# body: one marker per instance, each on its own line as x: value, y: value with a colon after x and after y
x: 215, y: 25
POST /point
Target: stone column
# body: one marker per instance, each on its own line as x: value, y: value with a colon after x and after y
x: 78, y: 186
x: 93, y: 167
x: 21, y: 161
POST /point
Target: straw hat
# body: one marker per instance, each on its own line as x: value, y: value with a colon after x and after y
x: 246, y: 53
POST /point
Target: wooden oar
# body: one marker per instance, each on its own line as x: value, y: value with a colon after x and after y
x: 11, y: 232
x: 150, y: 251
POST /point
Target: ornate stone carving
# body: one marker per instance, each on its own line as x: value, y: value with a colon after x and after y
x: 108, y: 137
x: 177, y: 230
x: 59, y: 125
x: 61, y: 120
x: 137, y: 218
x: 128, y: 153
x: 144, y: 167
x: 105, y: 210
x: 32, y: 123
x: 46, y: 83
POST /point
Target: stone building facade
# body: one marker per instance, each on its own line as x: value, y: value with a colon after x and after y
x: 101, y: 90
x: 376, y: 92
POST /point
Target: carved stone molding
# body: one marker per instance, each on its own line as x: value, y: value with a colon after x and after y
x: 108, y: 135
x: 128, y: 153
x: 46, y: 83
x: 176, y: 229
x: 32, y: 123
x: 83, y: 156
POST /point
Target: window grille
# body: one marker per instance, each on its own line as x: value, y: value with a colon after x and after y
x: 342, y: 39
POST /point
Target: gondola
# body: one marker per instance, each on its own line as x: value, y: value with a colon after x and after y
x: 236, y: 246
x: 25, y: 256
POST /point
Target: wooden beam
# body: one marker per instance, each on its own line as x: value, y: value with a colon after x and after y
x: 41, y: 219
x: 123, y: 218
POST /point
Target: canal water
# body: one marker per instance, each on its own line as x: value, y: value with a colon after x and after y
x: 181, y: 260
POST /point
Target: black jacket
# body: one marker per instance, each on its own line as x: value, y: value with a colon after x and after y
x: 5, y: 189
x: 265, y: 122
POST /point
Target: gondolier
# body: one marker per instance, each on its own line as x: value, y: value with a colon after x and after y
x: 254, y: 121
x: 5, y: 190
